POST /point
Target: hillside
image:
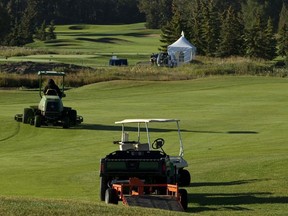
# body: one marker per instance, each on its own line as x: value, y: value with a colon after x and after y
x: 234, y: 135
x: 90, y: 45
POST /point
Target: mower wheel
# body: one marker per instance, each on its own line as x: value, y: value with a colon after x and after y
x: 73, y: 117
x: 28, y: 115
x: 111, y: 196
x: 18, y: 117
x: 37, y: 121
x: 66, y: 122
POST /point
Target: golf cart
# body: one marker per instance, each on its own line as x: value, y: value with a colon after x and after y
x: 164, y: 59
x: 50, y: 110
x: 140, y: 158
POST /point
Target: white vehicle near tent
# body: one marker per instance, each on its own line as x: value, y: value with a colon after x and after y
x: 182, y: 51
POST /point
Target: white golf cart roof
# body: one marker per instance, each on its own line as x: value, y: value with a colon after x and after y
x: 146, y: 122
x: 51, y: 73
x: 126, y: 121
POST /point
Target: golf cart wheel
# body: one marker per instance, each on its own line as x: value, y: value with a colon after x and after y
x: 111, y: 196
x: 184, y: 178
x: 28, y: 115
x: 103, y: 187
x: 37, y: 121
x: 183, y: 198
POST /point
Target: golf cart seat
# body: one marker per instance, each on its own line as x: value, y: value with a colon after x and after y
x: 127, y: 145
x: 51, y: 92
x: 143, y: 147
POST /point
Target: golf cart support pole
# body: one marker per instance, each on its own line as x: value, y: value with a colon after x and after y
x: 148, y: 135
x: 181, y: 153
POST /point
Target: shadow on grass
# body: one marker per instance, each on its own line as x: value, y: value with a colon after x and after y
x: 119, y: 128
x: 115, y: 35
x: 231, y: 201
x: 207, y: 209
x: 238, y: 182
x: 111, y: 40
x: 234, y: 199
x: 227, y: 132
x: 242, y: 132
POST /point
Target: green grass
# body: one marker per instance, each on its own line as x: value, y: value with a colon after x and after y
x: 234, y: 132
x: 92, y: 45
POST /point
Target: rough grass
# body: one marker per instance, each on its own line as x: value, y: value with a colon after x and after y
x: 234, y: 132
x: 202, y: 67
x: 93, y: 46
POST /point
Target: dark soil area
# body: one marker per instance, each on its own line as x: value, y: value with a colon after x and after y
x: 33, y: 67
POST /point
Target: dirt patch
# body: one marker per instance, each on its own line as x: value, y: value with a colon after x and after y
x: 33, y: 67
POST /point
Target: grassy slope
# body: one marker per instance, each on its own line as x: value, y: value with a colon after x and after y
x: 234, y: 136
x: 93, y: 45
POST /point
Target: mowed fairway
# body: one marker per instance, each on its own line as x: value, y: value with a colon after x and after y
x: 234, y: 134
x: 94, y: 45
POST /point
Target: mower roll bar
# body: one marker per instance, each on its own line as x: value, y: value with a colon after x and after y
x: 49, y: 73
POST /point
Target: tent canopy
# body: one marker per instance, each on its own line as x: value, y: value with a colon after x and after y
x: 182, y: 51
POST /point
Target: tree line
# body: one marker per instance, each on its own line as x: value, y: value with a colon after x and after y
x: 20, y: 20
x: 253, y: 28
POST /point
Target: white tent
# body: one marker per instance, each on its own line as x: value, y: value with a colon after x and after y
x: 182, y: 51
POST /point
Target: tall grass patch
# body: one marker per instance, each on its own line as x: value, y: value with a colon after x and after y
x: 199, y: 68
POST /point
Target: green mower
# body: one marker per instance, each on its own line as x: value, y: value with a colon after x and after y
x: 50, y: 110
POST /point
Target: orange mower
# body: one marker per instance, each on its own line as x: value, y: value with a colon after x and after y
x: 136, y: 193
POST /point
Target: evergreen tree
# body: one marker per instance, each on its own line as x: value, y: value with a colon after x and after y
x: 4, y: 23
x: 195, y: 25
x: 51, y: 31
x: 210, y: 28
x: 270, y: 41
x: 13, y: 38
x: 272, y: 11
x: 231, y: 35
x: 283, y: 20
x: 28, y: 21
x: 250, y: 10
x: 283, y: 41
x: 172, y: 30
x: 41, y: 33
x: 23, y: 27
x: 255, y: 39
x: 158, y: 12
